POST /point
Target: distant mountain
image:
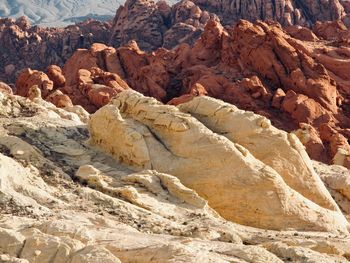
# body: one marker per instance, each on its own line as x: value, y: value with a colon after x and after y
x: 59, y: 12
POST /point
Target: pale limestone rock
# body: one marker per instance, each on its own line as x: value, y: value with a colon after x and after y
x: 337, y: 180
x: 80, y: 111
x: 145, y: 134
x: 5, y: 258
x: 116, y: 214
x: 301, y: 254
x: 20, y: 185
x: 11, y: 242
x: 43, y: 248
x: 276, y: 148
x: 92, y: 254
x: 34, y: 93
x: 340, y: 157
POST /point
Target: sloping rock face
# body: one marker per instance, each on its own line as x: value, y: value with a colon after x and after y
x: 63, y: 200
x: 337, y: 180
x: 221, y: 170
x: 296, y: 78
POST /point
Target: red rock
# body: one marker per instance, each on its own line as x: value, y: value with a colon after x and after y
x: 255, y: 87
x: 336, y: 141
x: 330, y: 30
x: 59, y: 99
x: 302, y: 108
x: 24, y: 46
x: 55, y: 74
x: 152, y: 24
x: 310, y: 137
x: 100, y: 95
x: 302, y: 33
x: 278, y: 98
x: 29, y: 78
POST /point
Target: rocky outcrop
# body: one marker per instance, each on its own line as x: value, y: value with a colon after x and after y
x: 26, y: 46
x: 221, y: 170
x: 63, y: 200
x: 259, y: 67
x: 155, y: 25
x: 152, y: 25
x: 279, y: 150
x: 298, y: 81
x: 337, y: 180
x: 286, y: 12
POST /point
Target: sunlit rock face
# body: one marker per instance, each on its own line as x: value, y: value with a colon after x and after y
x: 72, y: 192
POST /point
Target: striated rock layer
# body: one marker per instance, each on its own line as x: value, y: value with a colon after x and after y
x: 63, y: 200
x: 221, y: 170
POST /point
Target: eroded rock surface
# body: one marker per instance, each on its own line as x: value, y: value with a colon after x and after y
x: 66, y: 201
x: 220, y: 169
x: 154, y: 25
x: 25, y: 46
x: 300, y: 83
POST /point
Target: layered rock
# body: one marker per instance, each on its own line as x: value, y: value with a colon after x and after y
x: 279, y: 150
x: 236, y: 183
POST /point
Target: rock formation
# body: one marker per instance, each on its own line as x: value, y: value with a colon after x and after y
x: 286, y: 12
x: 295, y: 77
x: 63, y: 200
x: 23, y: 45
x: 155, y: 25
x: 198, y: 146
x: 223, y: 171
x: 152, y: 25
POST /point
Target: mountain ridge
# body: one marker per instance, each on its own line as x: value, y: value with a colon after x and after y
x: 59, y: 13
